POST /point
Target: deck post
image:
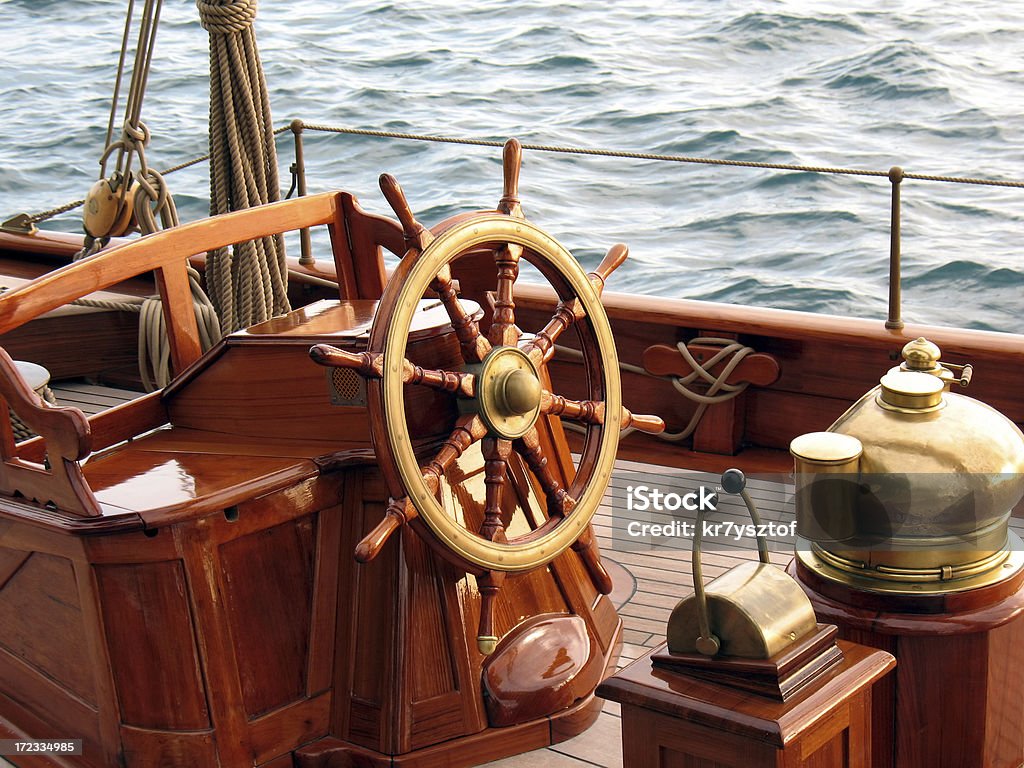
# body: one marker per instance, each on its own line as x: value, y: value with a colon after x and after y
x: 895, y: 321
x: 299, y: 170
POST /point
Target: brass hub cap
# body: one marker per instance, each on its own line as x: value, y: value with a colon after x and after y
x: 508, y: 394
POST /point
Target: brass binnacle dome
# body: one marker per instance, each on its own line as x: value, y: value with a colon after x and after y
x: 933, y: 490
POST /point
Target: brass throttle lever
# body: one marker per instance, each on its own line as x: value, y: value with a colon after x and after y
x: 733, y: 482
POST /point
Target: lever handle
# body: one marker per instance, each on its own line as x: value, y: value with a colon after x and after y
x: 733, y: 482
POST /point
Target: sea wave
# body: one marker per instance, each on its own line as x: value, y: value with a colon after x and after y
x: 866, y: 86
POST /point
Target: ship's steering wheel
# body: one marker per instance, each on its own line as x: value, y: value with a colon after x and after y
x: 501, y: 391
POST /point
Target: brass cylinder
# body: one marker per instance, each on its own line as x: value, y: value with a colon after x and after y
x: 826, y: 472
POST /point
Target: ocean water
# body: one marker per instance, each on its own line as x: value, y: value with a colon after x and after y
x: 934, y: 87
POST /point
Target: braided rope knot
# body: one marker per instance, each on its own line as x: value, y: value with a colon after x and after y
x: 225, y: 17
x: 135, y: 134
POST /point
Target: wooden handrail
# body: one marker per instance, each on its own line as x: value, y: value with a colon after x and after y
x: 166, y: 253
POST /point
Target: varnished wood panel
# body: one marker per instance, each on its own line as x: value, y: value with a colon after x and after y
x: 774, y: 418
x: 150, y: 637
x: 325, y: 599
x: 374, y: 611
x: 213, y: 638
x: 954, y: 700
x: 56, y: 343
x: 43, y: 711
x: 432, y: 720
x: 938, y: 724
x: 831, y: 754
x: 434, y: 676
x: 10, y: 561
x: 1005, y: 735
x: 146, y: 748
x: 273, y: 391
x: 268, y: 576
x: 42, y: 618
x: 281, y: 731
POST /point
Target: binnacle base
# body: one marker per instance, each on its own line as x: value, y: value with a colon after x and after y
x: 955, y: 697
x: 487, y: 745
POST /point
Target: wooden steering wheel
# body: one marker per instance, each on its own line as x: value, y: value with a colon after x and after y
x: 500, y: 390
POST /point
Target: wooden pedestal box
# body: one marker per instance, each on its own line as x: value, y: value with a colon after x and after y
x: 672, y: 720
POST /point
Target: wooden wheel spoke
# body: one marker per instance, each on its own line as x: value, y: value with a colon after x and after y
x: 586, y: 547
x: 593, y: 412
x: 371, y: 366
x: 496, y: 454
x: 490, y: 584
x: 503, y: 324
x: 468, y: 430
x: 418, y: 238
x: 559, y: 502
x: 456, y: 382
x: 399, y: 512
x: 475, y: 345
x: 542, y: 347
x: 416, y: 235
x: 612, y: 260
x: 512, y: 160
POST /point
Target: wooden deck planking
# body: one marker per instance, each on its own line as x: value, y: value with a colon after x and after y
x: 90, y: 398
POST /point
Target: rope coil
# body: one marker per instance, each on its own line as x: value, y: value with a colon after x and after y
x: 226, y: 17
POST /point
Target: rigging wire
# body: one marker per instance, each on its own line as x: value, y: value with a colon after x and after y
x: 29, y: 219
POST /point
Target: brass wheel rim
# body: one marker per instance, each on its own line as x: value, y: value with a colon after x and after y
x: 550, y: 541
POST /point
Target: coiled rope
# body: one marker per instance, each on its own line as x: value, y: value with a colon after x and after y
x: 718, y: 390
x: 249, y: 285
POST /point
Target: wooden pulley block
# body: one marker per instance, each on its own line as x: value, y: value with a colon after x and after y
x: 757, y: 368
x: 108, y: 208
x: 753, y: 611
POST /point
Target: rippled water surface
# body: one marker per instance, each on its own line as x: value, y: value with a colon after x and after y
x: 934, y: 87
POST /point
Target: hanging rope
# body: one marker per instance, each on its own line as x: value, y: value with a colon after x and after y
x: 249, y: 285
x: 718, y: 391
